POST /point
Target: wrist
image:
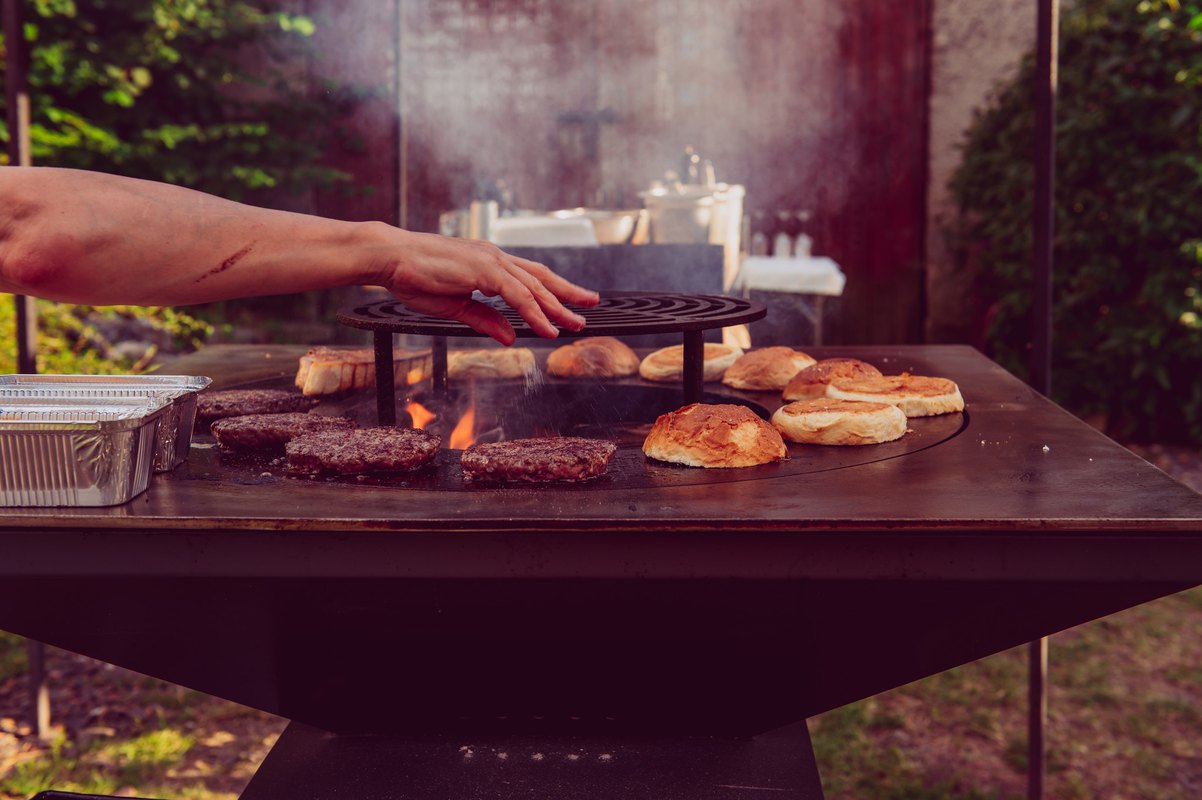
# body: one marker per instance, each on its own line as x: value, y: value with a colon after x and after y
x: 382, y: 247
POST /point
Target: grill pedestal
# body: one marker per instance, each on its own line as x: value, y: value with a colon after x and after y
x: 308, y: 764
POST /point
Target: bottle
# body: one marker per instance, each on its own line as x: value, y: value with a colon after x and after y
x: 782, y: 243
x: 804, y: 246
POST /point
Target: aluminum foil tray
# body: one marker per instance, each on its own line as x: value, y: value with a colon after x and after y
x: 175, y: 430
x: 56, y: 452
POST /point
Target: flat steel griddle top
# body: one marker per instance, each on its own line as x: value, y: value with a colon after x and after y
x: 565, y: 405
x: 618, y: 314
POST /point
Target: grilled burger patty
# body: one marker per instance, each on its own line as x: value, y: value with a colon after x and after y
x: 260, y: 431
x: 239, y: 402
x: 361, y: 450
x: 552, y: 458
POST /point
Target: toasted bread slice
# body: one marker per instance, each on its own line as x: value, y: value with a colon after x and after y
x: 811, y: 382
x: 329, y: 370
x: 839, y: 422
x: 915, y: 395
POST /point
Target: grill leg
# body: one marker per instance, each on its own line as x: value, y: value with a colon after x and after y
x: 438, y: 345
x: 694, y: 366
x: 385, y: 382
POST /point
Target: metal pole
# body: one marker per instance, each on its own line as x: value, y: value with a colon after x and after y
x: 1043, y: 226
x: 39, y: 689
x: 1043, y: 206
x: 18, y: 117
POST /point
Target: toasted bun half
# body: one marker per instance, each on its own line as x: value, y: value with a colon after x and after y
x: 811, y: 382
x: 700, y: 435
x: 593, y: 357
x: 329, y: 370
x: 767, y: 369
x: 915, y: 395
x: 668, y: 364
x: 508, y: 362
x: 826, y: 421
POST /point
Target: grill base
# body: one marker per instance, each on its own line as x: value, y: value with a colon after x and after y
x: 308, y: 764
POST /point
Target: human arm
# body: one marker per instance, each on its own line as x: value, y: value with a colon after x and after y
x: 88, y: 237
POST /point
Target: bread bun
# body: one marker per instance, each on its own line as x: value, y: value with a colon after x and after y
x: 767, y: 369
x: 811, y: 381
x: 700, y: 435
x: 915, y: 395
x: 668, y: 364
x: 827, y: 421
x: 329, y: 370
x: 593, y: 357
x: 498, y: 362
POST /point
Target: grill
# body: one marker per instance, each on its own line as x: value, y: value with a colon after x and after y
x: 618, y: 314
x: 667, y: 601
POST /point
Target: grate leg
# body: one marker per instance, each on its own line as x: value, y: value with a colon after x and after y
x: 438, y: 345
x: 385, y: 381
x: 694, y: 366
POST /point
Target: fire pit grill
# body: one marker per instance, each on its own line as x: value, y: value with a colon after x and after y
x: 618, y: 314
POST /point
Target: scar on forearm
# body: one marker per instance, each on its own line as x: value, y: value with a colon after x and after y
x: 229, y: 262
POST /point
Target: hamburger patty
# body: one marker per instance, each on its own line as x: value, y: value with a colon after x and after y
x: 361, y: 450
x: 240, y: 402
x: 552, y: 458
x: 259, y: 431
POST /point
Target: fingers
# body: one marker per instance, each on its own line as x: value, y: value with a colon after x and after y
x: 562, y: 288
x: 486, y: 320
x: 548, y: 303
x: 439, y: 274
x: 522, y: 296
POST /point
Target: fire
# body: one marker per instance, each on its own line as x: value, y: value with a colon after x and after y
x: 420, y: 414
x: 464, y: 434
x: 415, y: 375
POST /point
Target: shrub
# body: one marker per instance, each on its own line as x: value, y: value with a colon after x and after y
x: 1127, y: 336
x: 211, y: 94
x: 88, y: 340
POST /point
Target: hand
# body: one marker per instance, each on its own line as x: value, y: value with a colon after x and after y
x: 437, y: 274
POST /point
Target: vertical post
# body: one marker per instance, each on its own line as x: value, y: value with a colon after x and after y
x: 19, y: 117
x: 39, y: 694
x: 1037, y: 697
x: 1043, y: 205
x: 694, y: 366
x: 438, y: 358
x: 402, y: 120
x: 1043, y: 226
x: 385, y: 380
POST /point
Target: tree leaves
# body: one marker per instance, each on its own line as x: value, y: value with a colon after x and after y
x: 1128, y: 216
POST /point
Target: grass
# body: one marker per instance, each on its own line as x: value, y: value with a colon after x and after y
x: 1125, y: 720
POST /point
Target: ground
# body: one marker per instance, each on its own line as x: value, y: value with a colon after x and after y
x: 1124, y: 720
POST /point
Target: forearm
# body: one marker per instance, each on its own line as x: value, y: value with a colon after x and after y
x: 101, y: 239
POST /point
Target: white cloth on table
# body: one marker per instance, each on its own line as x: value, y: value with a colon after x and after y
x: 543, y: 231
x: 792, y: 274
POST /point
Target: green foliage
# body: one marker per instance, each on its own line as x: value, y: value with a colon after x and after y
x: 217, y: 95
x: 1127, y: 334
x: 71, y: 338
x: 211, y: 94
x: 13, y: 658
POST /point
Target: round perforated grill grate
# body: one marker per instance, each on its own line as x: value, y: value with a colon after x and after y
x: 618, y: 314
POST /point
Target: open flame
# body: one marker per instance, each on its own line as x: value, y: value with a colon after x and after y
x: 420, y: 414
x: 464, y: 434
